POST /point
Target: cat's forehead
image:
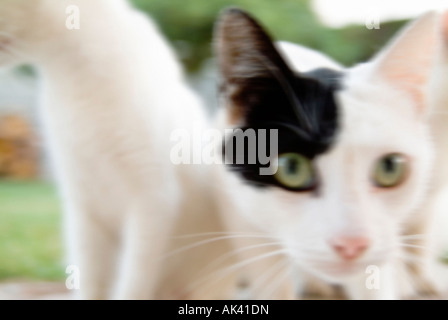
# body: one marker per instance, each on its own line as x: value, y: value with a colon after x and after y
x: 372, y: 113
x: 368, y: 113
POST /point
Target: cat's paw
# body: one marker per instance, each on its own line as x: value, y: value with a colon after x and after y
x: 318, y: 289
x: 424, y: 288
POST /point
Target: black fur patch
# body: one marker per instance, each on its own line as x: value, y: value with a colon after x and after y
x: 269, y: 95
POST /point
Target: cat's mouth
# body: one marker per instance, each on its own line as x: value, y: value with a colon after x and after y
x: 344, y: 268
x: 339, y: 270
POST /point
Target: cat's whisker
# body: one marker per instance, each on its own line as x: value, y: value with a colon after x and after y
x: 413, y: 236
x: 262, y: 279
x: 216, y: 275
x: 206, y: 234
x: 410, y: 245
x: 411, y: 258
x: 422, y: 247
x: 270, y: 290
x: 207, y: 241
x: 406, y: 243
x: 223, y: 258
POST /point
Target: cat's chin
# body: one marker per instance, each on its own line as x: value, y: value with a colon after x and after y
x: 337, y: 272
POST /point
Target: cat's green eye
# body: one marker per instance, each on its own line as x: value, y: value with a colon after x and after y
x: 390, y: 170
x: 295, y: 172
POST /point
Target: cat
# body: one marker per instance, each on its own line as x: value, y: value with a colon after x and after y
x: 112, y: 92
x: 139, y: 227
x: 437, y: 202
x: 354, y: 161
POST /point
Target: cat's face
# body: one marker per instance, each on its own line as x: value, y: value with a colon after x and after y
x: 354, y: 150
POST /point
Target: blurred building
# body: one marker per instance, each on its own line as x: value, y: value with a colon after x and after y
x: 20, y: 153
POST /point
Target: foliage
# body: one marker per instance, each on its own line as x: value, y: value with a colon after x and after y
x: 444, y: 258
x: 30, y: 235
x: 191, y: 22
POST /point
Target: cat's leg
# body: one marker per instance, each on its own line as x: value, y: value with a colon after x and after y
x: 145, y: 238
x: 217, y: 287
x: 192, y: 271
x: 261, y: 265
x: 378, y: 283
x: 269, y: 276
x: 315, y: 288
x: 92, y: 249
x: 279, y: 286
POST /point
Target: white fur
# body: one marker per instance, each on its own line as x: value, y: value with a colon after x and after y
x: 112, y: 94
x: 305, y: 59
x: 380, y: 114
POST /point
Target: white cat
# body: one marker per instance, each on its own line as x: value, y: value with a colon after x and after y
x: 139, y: 227
x: 438, y: 241
x: 113, y: 92
x: 351, y: 191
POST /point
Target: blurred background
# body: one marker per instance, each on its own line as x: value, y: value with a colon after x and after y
x: 31, y: 245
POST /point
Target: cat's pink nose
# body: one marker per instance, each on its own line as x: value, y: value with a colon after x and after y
x: 349, y: 248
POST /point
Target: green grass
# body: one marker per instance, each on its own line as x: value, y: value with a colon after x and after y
x: 30, y: 234
x: 444, y: 257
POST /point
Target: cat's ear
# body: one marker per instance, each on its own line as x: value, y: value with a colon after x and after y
x: 408, y: 61
x: 247, y: 57
x: 445, y: 27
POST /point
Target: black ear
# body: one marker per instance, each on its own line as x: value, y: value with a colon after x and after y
x: 244, y: 48
x: 247, y: 57
x: 261, y: 91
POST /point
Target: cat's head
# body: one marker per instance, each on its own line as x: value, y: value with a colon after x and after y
x: 354, y: 148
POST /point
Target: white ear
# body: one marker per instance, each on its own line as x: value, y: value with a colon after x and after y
x: 409, y: 60
x: 445, y: 27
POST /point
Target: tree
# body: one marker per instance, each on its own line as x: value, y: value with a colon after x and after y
x: 189, y: 25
